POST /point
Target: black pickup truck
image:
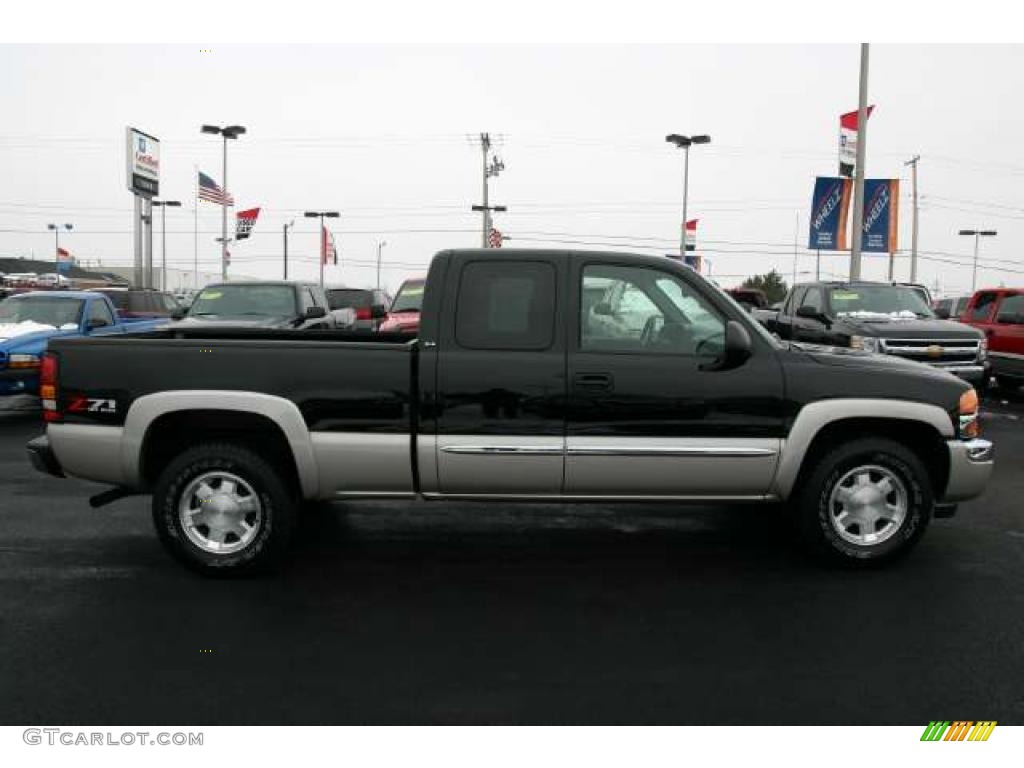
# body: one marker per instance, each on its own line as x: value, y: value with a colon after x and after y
x: 536, y: 375
x: 883, y: 318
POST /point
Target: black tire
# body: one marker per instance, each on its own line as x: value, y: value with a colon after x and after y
x: 815, y: 508
x: 276, y: 500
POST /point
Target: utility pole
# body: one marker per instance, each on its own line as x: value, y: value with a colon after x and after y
x: 493, y: 169
x: 913, y: 232
x: 289, y: 224
x: 858, y: 176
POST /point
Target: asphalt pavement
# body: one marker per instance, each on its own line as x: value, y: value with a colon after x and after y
x: 473, y: 613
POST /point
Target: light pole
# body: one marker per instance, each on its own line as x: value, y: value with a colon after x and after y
x: 228, y: 132
x: 380, y: 245
x: 977, y: 234
x: 323, y: 240
x: 684, y: 142
x: 56, y: 240
x: 858, y: 171
x: 286, y: 226
x: 163, y: 205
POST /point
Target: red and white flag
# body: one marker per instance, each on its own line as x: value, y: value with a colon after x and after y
x: 496, y: 238
x: 64, y: 255
x: 848, y: 129
x: 330, y: 253
x: 691, y: 234
x: 244, y: 222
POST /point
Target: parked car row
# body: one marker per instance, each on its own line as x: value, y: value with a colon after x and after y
x: 29, y: 321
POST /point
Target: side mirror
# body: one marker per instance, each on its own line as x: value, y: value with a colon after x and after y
x: 808, y: 312
x: 378, y: 311
x: 178, y: 313
x: 315, y: 312
x: 603, y: 308
x: 942, y: 313
x: 736, y: 351
x: 97, y: 323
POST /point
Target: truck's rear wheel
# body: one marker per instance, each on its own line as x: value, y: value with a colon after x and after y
x: 866, y: 501
x: 222, y: 509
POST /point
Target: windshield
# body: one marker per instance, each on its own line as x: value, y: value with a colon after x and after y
x: 236, y: 300
x: 891, y: 301
x: 47, y: 310
x: 349, y: 298
x: 410, y: 297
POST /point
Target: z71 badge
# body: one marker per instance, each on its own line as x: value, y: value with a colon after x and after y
x: 79, y: 404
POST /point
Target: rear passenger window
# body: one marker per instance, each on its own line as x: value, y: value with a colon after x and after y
x: 506, y: 305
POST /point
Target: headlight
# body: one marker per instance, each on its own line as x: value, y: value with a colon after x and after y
x: 968, y: 414
x: 23, y: 361
x: 867, y: 343
x: 983, y: 351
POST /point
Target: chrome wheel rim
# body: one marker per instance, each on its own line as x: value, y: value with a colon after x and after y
x: 220, y: 512
x: 868, y: 505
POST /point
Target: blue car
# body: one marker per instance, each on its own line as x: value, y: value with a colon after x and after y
x: 29, y: 320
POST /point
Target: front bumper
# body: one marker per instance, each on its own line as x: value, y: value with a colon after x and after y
x: 970, y: 467
x: 43, y: 457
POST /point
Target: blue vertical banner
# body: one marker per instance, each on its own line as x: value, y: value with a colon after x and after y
x: 830, y: 206
x: 881, y: 215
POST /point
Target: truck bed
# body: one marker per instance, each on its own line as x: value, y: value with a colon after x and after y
x: 340, y: 381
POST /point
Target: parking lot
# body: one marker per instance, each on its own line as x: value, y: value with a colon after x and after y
x: 466, y: 613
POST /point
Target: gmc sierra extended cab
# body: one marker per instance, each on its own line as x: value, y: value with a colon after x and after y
x: 884, y: 318
x: 536, y: 375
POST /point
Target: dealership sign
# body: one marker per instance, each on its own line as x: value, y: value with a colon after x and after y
x: 881, y: 215
x: 143, y: 163
x: 830, y: 205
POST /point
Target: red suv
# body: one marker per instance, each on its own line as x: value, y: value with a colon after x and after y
x: 999, y: 313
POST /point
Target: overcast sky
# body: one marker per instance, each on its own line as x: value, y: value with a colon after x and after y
x: 387, y: 135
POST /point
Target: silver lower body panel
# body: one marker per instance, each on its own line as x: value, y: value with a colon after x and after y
x: 970, y: 466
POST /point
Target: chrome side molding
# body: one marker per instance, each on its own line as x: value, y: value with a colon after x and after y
x: 502, y: 450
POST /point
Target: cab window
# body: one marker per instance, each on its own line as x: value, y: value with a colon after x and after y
x: 99, y: 314
x: 645, y: 310
x: 508, y: 305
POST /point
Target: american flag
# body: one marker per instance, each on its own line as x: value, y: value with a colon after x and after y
x: 209, y: 191
x: 496, y: 238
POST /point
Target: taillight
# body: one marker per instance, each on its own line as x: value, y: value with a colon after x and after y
x: 48, y: 388
x: 968, y: 413
x: 363, y: 313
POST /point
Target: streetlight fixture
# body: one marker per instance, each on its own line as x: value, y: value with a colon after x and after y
x: 684, y: 143
x: 228, y: 132
x: 163, y: 205
x: 380, y: 246
x: 977, y: 234
x: 56, y: 239
x: 323, y: 245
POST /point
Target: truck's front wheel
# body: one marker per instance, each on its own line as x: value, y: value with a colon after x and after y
x: 865, y: 501
x: 223, y: 510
